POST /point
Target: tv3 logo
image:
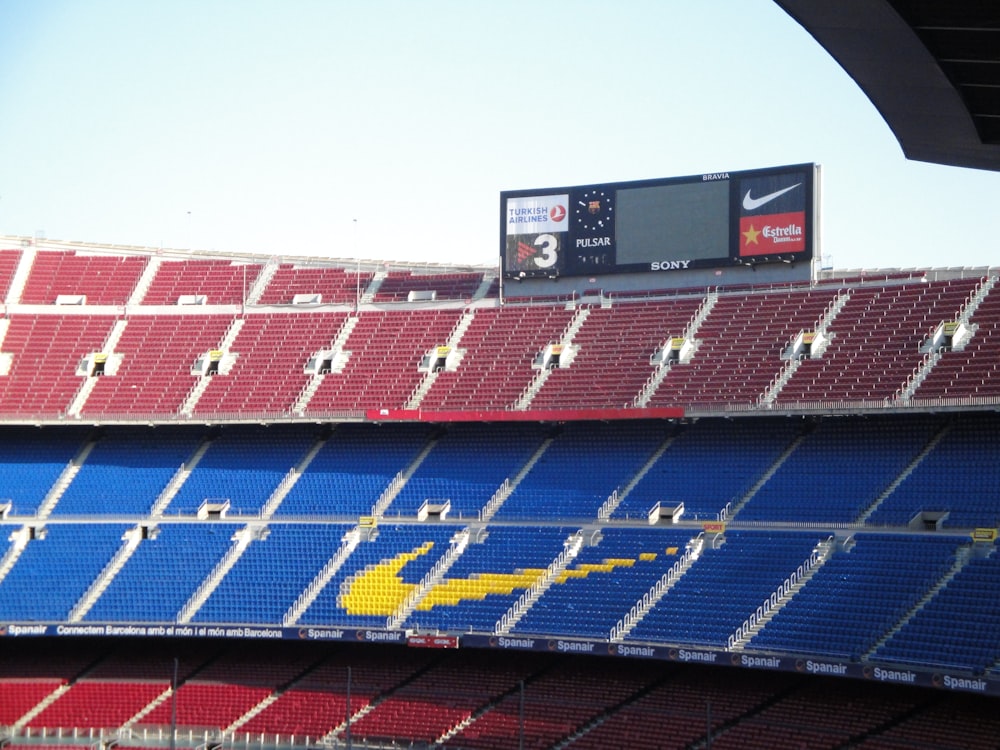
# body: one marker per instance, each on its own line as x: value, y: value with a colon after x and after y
x: 547, y: 253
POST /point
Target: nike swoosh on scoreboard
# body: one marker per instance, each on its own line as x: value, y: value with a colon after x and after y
x: 752, y: 203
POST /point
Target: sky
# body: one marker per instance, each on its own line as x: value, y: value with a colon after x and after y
x: 386, y: 129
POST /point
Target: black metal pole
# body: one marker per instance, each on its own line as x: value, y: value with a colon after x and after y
x: 173, y: 708
x: 348, y: 708
x: 520, y: 719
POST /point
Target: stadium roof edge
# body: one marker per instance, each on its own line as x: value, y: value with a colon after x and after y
x: 932, y: 70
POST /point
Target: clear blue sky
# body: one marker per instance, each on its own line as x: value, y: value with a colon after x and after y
x: 387, y: 129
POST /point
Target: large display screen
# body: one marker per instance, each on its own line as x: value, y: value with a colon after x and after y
x: 701, y: 221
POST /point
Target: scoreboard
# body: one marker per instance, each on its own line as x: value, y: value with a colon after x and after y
x: 664, y: 225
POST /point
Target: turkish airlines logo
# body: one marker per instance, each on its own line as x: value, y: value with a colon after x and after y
x: 537, y: 213
x: 752, y: 204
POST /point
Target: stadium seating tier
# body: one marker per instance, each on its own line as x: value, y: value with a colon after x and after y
x: 150, y: 478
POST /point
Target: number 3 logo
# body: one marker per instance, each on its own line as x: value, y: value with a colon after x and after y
x: 549, y: 250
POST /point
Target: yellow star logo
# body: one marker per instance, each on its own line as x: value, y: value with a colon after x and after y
x: 751, y: 235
